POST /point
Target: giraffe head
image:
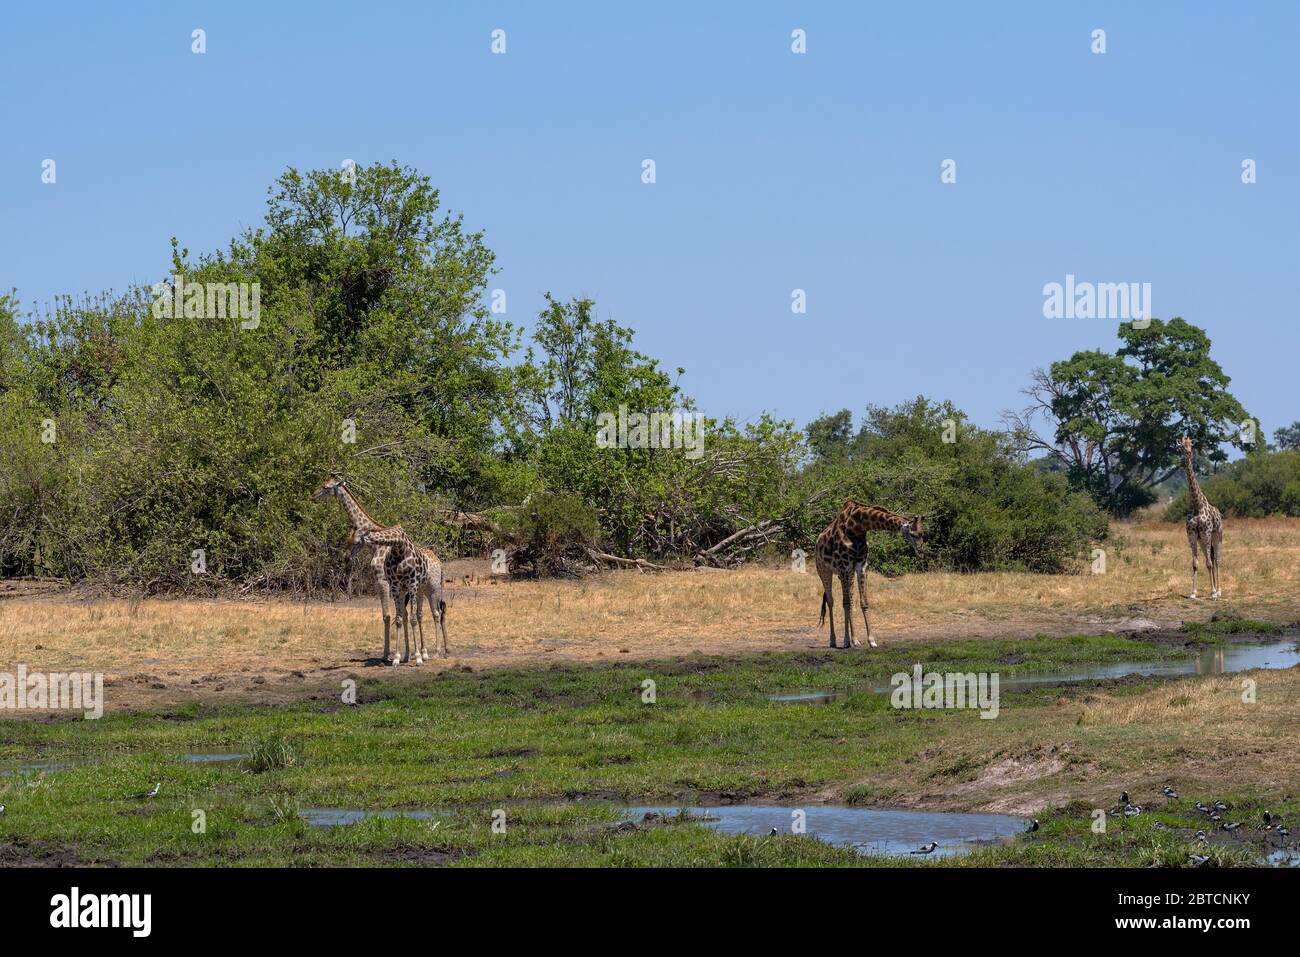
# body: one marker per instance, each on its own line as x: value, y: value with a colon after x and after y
x: 331, y: 487
x: 1186, y: 445
x: 915, y: 534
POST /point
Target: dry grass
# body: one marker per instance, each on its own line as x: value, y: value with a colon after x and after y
x: 269, y: 650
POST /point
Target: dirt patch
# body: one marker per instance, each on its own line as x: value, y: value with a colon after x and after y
x: 417, y: 856
x: 1010, y: 785
x: 20, y: 852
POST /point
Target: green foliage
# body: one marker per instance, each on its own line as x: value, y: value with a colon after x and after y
x: 553, y: 530
x: 139, y: 435
x: 1114, y: 421
x: 984, y: 507
x: 1288, y: 437
x: 1265, y: 483
x: 270, y: 752
x: 182, y: 433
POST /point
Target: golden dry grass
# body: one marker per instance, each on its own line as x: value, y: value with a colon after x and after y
x: 269, y: 649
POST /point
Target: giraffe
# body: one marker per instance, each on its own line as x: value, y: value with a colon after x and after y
x: 1204, y: 525
x: 842, y: 550
x: 431, y: 590
x: 406, y: 569
x: 361, y: 522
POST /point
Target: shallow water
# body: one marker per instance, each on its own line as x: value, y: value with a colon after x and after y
x: 867, y: 830
x: 1222, y: 660
x: 1282, y: 857
x: 36, y: 768
x: 211, y: 758
x: 335, y: 817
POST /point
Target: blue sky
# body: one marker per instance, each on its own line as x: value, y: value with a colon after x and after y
x: 775, y: 171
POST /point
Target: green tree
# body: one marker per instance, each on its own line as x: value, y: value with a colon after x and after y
x: 1288, y: 437
x: 1113, y: 421
x: 829, y: 435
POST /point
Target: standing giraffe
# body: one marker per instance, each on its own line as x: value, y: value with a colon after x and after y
x: 361, y: 522
x: 416, y: 576
x: 431, y: 591
x: 1204, y: 525
x: 842, y: 550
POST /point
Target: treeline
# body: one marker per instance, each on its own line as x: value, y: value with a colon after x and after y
x: 151, y: 441
x: 1264, y: 483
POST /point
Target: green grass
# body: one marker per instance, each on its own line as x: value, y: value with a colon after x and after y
x: 556, y: 749
x: 1230, y: 623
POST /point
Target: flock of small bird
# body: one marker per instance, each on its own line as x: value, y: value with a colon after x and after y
x: 1213, y: 813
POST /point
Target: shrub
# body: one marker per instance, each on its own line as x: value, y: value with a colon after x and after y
x: 553, y: 530
x: 1265, y: 483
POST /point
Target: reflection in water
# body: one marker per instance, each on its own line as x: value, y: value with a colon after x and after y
x: 867, y: 830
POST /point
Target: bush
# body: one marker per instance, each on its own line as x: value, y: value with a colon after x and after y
x: 985, y: 508
x: 1264, y: 483
x: 554, y: 531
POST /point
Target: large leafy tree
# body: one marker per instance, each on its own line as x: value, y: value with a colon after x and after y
x: 1288, y: 437
x: 1112, y: 421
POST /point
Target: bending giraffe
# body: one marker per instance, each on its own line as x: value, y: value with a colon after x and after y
x: 842, y: 550
x: 1204, y: 526
x: 414, y: 574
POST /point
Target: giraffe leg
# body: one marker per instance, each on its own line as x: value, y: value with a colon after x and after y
x: 828, y: 594
x: 1192, y: 538
x: 1216, y: 549
x: 846, y: 583
x: 439, y: 609
x: 1209, y: 565
x: 402, y: 624
x: 419, y: 626
x: 408, y: 615
x: 381, y: 584
x: 862, y: 598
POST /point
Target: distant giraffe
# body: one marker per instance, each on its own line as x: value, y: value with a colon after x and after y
x: 1204, y: 526
x: 842, y: 550
x: 360, y: 520
x: 416, y: 576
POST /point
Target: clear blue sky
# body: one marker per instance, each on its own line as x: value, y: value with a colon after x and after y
x: 775, y: 171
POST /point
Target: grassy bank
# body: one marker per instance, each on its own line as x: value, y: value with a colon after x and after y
x: 558, y: 749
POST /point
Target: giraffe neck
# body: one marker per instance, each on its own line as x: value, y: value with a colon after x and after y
x: 1195, y: 497
x: 872, y: 518
x: 359, y: 519
x: 394, y: 537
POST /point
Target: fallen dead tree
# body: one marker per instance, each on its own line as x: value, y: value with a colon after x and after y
x: 569, y: 552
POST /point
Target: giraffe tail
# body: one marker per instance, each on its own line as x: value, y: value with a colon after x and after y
x: 822, y: 619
